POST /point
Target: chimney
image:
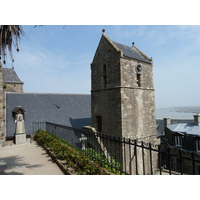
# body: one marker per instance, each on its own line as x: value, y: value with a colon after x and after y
x: 197, y: 120
x: 167, y: 121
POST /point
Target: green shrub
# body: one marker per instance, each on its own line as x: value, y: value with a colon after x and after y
x: 64, y: 151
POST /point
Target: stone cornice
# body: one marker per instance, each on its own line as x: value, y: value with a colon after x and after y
x: 119, y: 87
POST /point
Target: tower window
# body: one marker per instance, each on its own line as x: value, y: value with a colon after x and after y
x: 138, y: 69
x: 138, y: 80
x: 104, y: 76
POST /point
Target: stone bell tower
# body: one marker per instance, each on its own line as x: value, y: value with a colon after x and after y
x: 123, y: 101
x: 122, y: 91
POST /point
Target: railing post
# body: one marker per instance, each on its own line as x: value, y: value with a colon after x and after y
x: 124, y: 154
x: 151, y: 158
x: 159, y: 157
x: 130, y: 158
x: 169, y: 160
x: 135, y: 153
x: 143, y: 161
x: 193, y: 163
x: 181, y: 169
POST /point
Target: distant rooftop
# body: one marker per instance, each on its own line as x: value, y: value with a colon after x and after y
x: 185, y: 128
x: 10, y: 76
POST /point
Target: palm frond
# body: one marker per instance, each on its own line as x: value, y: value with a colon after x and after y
x: 9, y: 36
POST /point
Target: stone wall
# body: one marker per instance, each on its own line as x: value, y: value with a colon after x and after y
x: 13, y: 87
x: 2, y: 120
x: 106, y: 100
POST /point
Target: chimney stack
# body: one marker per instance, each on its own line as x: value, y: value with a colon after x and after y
x: 167, y: 121
x: 197, y: 120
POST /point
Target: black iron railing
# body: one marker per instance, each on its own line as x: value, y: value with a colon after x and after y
x: 127, y: 156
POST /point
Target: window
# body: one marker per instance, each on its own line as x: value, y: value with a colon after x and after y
x: 178, y: 141
x: 104, y: 76
x: 99, y: 123
x: 138, y: 80
x: 138, y: 69
x: 198, y: 145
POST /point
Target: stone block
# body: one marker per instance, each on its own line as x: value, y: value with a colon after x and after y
x: 20, y: 138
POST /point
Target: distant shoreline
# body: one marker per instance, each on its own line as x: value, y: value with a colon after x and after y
x: 177, y: 112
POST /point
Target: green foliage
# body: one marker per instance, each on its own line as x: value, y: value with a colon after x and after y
x: 73, y: 157
x: 5, y: 85
x: 109, y: 163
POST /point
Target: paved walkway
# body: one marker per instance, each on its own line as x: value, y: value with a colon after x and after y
x: 26, y: 159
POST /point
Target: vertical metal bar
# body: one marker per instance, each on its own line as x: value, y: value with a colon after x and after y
x: 130, y: 158
x: 110, y: 151
x: 151, y: 159
x: 143, y: 161
x: 181, y: 167
x: 124, y: 154
x: 159, y: 157
x: 107, y: 154
x: 135, y: 153
x: 169, y: 160
x: 193, y: 163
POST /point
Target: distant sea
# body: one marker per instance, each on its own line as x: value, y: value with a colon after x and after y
x: 177, y: 112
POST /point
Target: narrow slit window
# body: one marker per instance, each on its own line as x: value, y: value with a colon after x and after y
x: 104, y: 76
x: 138, y: 80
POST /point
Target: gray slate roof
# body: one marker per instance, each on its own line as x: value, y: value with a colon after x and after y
x: 10, y: 76
x: 66, y: 109
x: 185, y: 128
x: 160, y: 124
x: 132, y: 52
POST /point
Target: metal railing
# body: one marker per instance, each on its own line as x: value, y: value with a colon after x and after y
x: 127, y: 156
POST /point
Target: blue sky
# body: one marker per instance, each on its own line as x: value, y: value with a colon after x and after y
x: 56, y: 59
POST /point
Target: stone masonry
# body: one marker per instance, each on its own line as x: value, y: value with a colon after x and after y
x: 121, y: 97
x: 2, y: 120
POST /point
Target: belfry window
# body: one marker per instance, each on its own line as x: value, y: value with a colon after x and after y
x: 138, y: 69
x: 138, y: 80
x: 104, y: 76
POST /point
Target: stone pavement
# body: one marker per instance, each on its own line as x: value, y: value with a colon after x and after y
x: 26, y: 159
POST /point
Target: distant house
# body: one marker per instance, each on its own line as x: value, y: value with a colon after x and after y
x: 183, y: 136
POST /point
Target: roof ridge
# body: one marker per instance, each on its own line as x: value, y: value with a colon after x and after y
x: 150, y: 59
x: 135, y: 49
x: 45, y: 93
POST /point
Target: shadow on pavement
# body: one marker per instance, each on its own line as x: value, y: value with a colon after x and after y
x: 8, y: 165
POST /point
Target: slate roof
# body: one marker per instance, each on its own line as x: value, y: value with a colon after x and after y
x: 160, y: 124
x: 66, y: 109
x: 185, y: 128
x: 133, y: 52
x: 10, y: 76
